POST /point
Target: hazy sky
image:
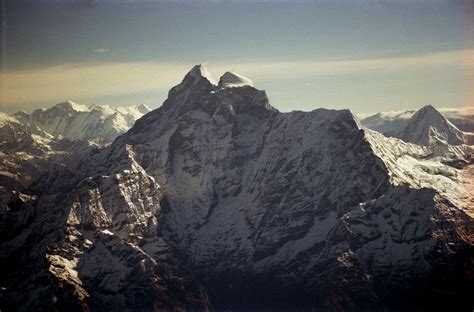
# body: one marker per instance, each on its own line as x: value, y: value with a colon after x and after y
x: 367, y: 55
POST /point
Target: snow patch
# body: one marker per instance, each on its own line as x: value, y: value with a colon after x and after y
x: 230, y: 79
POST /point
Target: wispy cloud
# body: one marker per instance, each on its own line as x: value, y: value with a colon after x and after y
x: 101, y: 50
x: 301, y: 69
x: 52, y: 84
x: 64, y: 82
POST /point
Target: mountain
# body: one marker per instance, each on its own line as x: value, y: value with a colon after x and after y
x: 31, y: 144
x: 100, y: 123
x: 218, y: 200
x: 391, y: 123
x: 428, y: 126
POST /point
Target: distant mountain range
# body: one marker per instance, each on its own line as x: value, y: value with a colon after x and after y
x: 216, y: 200
x: 392, y: 123
x: 31, y: 144
x: 99, y: 123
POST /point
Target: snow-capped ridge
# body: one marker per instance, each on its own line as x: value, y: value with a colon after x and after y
x: 231, y: 79
x: 70, y: 105
x: 73, y: 121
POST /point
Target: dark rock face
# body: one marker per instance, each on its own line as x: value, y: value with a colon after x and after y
x: 92, y: 244
x: 218, y: 194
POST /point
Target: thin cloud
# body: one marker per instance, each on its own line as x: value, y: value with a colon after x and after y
x: 54, y: 84
x: 289, y: 70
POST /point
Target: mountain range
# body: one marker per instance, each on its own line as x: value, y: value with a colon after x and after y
x: 34, y: 143
x: 218, y: 201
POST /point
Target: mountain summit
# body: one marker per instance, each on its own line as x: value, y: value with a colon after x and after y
x: 428, y: 126
x: 200, y: 72
x: 230, y: 79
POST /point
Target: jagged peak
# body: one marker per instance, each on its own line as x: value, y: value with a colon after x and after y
x: 429, y: 114
x: 231, y: 79
x: 199, y: 72
x: 428, y: 109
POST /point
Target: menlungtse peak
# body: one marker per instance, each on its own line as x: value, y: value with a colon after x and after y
x: 230, y: 79
x: 428, y: 126
x: 199, y: 72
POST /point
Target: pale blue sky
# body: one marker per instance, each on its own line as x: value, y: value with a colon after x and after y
x: 366, y: 55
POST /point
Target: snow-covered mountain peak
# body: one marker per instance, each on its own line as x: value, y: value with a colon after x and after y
x: 231, y: 79
x: 428, y: 109
x: 196, y: 94
x: 429, y: 114
x: 428, y: 126
x: 199, y: 72
x: 71, y: 106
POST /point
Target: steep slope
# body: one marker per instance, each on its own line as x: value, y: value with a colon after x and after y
x: 267, y: 209
x: 91, y: 244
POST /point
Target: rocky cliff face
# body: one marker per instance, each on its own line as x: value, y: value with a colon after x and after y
x: 217, y: 193
x: 92, y: 244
